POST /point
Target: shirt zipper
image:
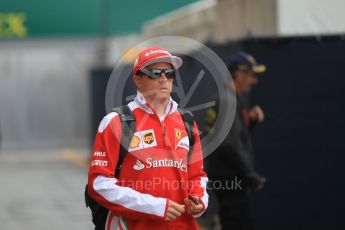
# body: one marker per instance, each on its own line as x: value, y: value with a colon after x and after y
x: 165, y: 137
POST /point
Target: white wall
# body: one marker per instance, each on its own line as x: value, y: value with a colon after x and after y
x: 44, y: 92
x: 311, y: 17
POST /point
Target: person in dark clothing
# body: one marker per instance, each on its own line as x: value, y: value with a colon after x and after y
x: 231, y: 165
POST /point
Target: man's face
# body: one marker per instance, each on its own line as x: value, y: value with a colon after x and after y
x: 245, y: 80
x: 155, y: 89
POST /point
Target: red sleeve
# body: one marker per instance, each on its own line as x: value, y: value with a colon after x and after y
x: 104, y: 187
x: 196, y: 174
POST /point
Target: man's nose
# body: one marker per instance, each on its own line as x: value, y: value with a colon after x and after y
x: 163, y: 77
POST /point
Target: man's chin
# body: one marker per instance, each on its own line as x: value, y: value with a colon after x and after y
x: 158, y: 96
x: 248, y: 89
x: 162, y: 97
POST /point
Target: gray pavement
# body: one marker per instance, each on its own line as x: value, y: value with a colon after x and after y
x: 42, y: 190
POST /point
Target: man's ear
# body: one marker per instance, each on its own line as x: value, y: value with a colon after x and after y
x: 238, y: 76
x: 137, y: 81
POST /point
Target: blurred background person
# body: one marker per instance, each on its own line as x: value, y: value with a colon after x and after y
x: 232, y: 163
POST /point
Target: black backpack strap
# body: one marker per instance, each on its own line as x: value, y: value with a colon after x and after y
x: 188, y: 120
x: 128, y: 129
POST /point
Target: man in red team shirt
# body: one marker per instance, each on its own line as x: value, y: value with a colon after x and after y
x: 157, y: 183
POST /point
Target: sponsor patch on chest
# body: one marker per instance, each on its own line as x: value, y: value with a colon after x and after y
x: 181, y: 139
x: 160, y: 163
x: 143, y: 139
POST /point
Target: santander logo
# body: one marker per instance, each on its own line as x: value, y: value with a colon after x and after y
x: 151, y: 163
x: 138, y: 166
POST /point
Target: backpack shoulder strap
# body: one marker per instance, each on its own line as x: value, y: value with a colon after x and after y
x: 188, y: 119
x: 128, y: 129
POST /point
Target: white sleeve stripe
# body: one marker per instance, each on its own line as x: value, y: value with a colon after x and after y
x: 111, y: 221
x: 105, y: 121
x: 204, y: 198
x: 128, y: 197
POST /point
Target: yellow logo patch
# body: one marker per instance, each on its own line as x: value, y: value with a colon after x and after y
x: 178, y: 134
x: 135, y: 142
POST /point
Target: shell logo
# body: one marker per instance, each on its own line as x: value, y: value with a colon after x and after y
x: 135, y: 142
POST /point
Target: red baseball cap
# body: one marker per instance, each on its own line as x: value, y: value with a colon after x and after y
x: 153, y: 55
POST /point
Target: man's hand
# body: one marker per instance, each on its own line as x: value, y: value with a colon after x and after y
x: 257, y: 182
x: 260, y: 184
x: 256, y: 114
x: 193, y: 205
x: 174, y: 210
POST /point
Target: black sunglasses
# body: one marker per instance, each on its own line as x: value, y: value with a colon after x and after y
x: 157, y: 73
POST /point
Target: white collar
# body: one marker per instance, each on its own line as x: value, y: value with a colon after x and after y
x: 142, y: 103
